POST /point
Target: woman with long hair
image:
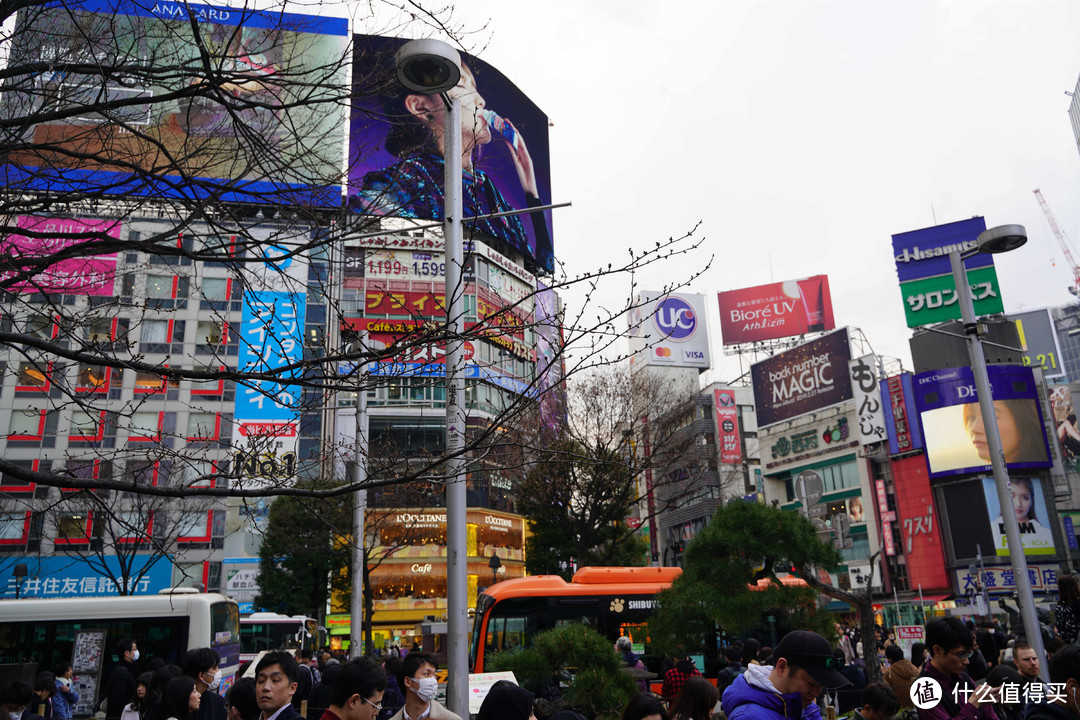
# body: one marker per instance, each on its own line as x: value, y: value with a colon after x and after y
x: 180, y: 699
x: 1018, y: 426
x: 1067, y: 610
x: 695, y: 701
x: 140, y: 705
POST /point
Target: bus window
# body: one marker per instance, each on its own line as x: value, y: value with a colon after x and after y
x: 224, y: 624
x: 505, y: 633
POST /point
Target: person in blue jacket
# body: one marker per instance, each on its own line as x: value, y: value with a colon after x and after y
x: 804, y: 666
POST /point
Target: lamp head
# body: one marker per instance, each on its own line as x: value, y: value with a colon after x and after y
x: 428, y: 66
x: 1002, y: 239
x: 20, y: 571
x: 494, y: 563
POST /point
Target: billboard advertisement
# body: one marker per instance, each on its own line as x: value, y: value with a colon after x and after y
x: 55, y: 576
x: 901, y: 419
x: 1063, y: 402
x: 868, y: 405
x: 277, y: 72
x: 47, y: 237
x: 266, y: 425
x: 670, y: 329
x: 727, y: 421
x: 1039, y: 340
x: 776, y: 310
x: 919, y: 524
x: 396, y: 161
x: 809, y: 377
x: 1029, y: 506
x: 952, y: 425
x: 926, y: 283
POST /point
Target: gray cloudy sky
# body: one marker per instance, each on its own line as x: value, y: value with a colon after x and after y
x: 802, y: 135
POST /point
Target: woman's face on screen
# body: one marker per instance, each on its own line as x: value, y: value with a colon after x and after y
x: 1011, y: 434
x: 1021, y: 500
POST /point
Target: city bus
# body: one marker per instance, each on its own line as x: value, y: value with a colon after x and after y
x: 85, y: 631
x: 263, y: 631
x: 613, y: 600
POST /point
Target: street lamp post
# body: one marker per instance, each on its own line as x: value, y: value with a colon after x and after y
x: 20, y: 572
x: 998, y: 240
x: 432, y: 67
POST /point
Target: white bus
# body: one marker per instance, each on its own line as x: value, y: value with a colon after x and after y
x: 264, y: 631
x: 85, y: 631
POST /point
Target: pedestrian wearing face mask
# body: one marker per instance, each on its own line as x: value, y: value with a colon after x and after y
x: 1064, y: 702
x: 418, y: 675
x: 201, y: 665
x: 121, y: 686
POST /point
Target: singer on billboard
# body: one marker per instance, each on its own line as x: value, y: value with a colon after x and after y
x: 413, y: 186
x: 1018, y: 425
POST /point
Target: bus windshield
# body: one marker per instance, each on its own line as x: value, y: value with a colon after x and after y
x: 269, y: 631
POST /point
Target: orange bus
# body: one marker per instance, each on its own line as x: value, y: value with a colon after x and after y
x: 613, y: 600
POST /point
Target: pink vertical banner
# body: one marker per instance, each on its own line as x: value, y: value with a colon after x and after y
x: 48, y: 236
x: 727, y: 423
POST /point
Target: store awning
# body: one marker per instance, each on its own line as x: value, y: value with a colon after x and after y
x: 930, y: 599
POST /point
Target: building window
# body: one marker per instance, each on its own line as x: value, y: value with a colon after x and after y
x: 93, y: 377
x: 144, y: 425
x: 202, y: 426
x: 32, y: 375
x: 159, y: 286
x: 194, y: 527
x: 88, y: 425
x: 215, y: 288
x: 28, y: 423
x: 154, y: 331
x: 74, y: 528
x: 10, y: 484
x: 14, y: 528
x: 40, y: 327
x: 209, y: 333
x: 149, y: 382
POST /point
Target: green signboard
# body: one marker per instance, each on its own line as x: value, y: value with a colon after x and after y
x: 934, y: 299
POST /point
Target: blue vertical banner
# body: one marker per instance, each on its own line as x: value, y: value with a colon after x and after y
x: 267, y: 413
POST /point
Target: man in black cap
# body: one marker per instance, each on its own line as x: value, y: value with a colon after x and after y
x: 804, y: 667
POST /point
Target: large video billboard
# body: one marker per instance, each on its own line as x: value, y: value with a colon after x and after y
x: 925, y: 272
x: 776, y: 310
x: 50, y: 236
x: 396, y: 159
x: 271, y: 130
x: 670, y: 330
x: 809, y: 377
x: 948, y: 405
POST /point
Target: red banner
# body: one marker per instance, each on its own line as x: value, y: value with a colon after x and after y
x: 777, y: 310
x: 727, y: 421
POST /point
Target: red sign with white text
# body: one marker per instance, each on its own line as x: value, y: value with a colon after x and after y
x: 727, y: 422
x: 783, y: 309
x: 920, y: 526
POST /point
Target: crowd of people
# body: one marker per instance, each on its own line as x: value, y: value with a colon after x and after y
x: 962, y: 671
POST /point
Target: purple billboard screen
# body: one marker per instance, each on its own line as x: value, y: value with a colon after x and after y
x: 812, y: 376
x: 396, y: 160
x: 953, y: 431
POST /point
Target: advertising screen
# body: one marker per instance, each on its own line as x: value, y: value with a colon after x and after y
x: 119, y: 86
x: 1064, y: 399
x: 396, y: 160
x: 776, y: 310
x: 670, y: 330
x: 952, y: 424
x: 926, y: 283
x: 1029, y: 506
x: 809, y: 377
x: 49, y: 237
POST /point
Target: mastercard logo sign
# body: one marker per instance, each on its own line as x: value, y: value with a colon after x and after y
x: 663, y: 352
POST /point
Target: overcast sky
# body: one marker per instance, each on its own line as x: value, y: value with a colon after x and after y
x: 802, y: 135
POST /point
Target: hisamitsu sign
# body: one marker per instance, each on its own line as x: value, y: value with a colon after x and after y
x: 926, y: 282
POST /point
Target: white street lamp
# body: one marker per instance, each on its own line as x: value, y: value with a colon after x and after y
x: 998, y: 240
x: 432, y: 67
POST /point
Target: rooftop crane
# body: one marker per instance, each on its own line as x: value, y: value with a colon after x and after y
x: 1063, y: 241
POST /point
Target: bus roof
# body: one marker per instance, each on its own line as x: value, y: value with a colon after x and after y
x: 100, y: 608
x: 589, y: 581
x: 606, y: 580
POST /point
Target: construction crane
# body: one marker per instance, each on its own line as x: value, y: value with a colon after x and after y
x: 1063, y: 241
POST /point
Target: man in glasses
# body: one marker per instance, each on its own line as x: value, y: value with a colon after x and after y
x: 952, y: 693
x: 358, y: 692
x: 787, y: 690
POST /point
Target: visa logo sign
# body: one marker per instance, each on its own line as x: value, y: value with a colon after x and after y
x: 693, y: 355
